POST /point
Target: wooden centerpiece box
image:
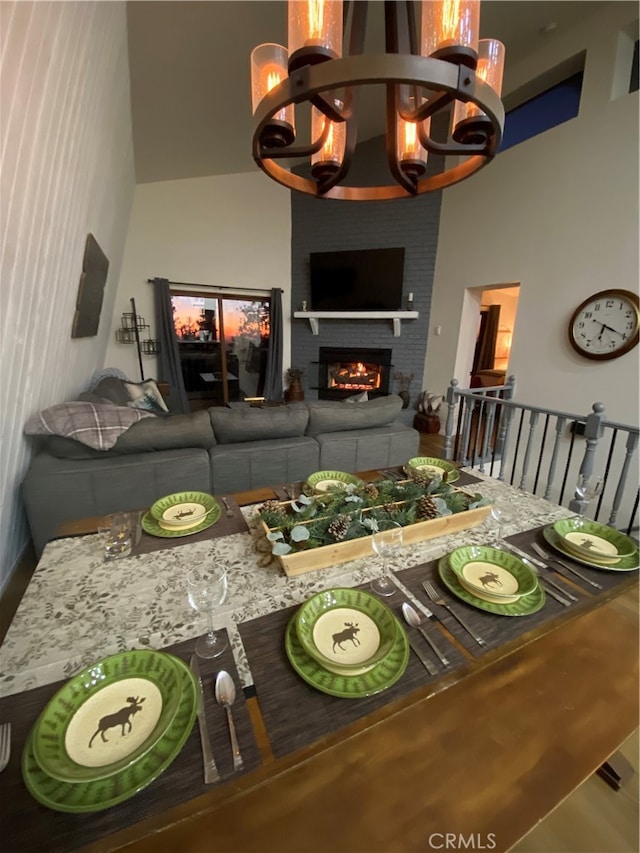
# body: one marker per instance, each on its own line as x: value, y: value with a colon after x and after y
x: 299, y: 562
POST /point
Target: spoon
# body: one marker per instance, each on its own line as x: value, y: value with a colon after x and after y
x: 415, y: 620
x: 225, y: 696
x: 229, y: 511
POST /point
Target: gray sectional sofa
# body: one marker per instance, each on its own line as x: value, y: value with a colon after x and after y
x: 220, y: 450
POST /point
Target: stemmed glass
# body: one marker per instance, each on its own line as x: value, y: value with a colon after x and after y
x: 388, y: 545
x: 206, y: 589
x: 502, y: 513
x: 587, y: 488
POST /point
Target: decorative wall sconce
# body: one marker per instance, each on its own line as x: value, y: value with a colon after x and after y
x: 131, y: 324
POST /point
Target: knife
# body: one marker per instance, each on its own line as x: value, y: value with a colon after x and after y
x: 210, y: 770
x: 426, y: 663
x: 528, y: 558
x: 566, y: 566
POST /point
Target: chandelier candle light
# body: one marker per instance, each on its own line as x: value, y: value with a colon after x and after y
x: 424, y: 74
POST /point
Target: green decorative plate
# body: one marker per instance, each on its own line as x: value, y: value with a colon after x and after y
x: 625, y: 564
x: 182, y: 507
x: 593, y: 541
x: 107, y: 716
x: 323, y: 481
x: 78, y: 797
x: 375, y: 680
x: 435, y: 466
x: 492, y: 574
x: 151, y: 526
x: 345, y: 628
x: 524, y: 606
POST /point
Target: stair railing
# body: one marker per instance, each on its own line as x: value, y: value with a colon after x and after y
x: 539, y: 450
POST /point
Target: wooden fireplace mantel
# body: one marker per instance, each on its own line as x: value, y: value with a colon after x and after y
x: 395, y: 316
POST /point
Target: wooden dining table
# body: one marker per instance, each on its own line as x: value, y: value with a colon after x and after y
x: 471, y: 760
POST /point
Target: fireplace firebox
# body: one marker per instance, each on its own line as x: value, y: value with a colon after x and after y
x: 345, y: 371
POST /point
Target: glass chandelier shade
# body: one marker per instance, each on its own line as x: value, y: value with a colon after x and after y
x: 450, y: 29
x: 410, y: 153
x: 315, y: 31
x: 429, y: 65
x: 468, y: 119
x: 268, y: 69
x: 328, y: 160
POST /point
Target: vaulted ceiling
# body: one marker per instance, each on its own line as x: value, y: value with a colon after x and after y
x: 190, y: 88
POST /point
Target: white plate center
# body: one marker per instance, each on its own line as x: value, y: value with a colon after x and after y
x: 113, y: 722
x: 346, y: 636
x: 488, y: 577
x: 590, y: 542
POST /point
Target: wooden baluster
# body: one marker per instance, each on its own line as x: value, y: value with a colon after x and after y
x: 452, y: 400
x: 630, y: 449
x: 560, y: 422
x: 533, y: 421
x: 592, y: 429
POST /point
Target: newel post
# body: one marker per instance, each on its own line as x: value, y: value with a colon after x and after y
x: 451, y: 411
x: 592, y: 433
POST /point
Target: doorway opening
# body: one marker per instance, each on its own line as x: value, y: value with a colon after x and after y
x: 223, y: 343
x: 494, y: 334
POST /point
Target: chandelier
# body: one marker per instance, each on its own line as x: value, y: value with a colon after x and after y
x: 431, y: 65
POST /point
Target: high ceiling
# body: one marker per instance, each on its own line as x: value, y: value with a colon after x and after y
x: 189, y: 62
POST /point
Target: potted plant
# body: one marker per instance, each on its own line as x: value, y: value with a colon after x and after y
x: 295, y: 390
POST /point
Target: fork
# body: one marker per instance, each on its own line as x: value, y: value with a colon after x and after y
x: 561, y: 594
x: 5, y: 745
x: 438, y: 599
x: 547, y: 556
x: 229, y: 513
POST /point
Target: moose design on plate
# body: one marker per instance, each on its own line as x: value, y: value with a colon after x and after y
x: 490, y: 578
x: 349, y: 633
x: 119, y: 718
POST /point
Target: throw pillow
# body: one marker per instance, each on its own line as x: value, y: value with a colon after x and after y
x: 98, y: 425
x: 146, y: 396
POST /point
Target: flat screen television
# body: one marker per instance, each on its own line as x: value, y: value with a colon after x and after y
x: 357, y: 280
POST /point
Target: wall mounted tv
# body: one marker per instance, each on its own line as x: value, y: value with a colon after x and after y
x: 358, y: 280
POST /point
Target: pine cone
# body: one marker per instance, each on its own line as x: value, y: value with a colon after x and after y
x: 339, y: 527
x: 391, y: 508
x: 371, y: 491
x: 427, y: 508
x: 271, y: 506
x: 421, y: 479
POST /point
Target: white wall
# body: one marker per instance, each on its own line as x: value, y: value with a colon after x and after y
x: 66, y: 170
x: 558, y: 214
x: 230, y: 230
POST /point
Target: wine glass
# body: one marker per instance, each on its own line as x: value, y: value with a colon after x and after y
x: 588, y: 487
x: 206, y: 589
x: 502, y: 513
x: 387, y: 544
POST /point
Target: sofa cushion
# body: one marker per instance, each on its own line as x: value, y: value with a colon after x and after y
x: 330, y: 416
x: 98, y: 425
x: 232, y: 426
x: 171, y: 433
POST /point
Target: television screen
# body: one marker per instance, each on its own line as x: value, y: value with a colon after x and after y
x: 358, y: 280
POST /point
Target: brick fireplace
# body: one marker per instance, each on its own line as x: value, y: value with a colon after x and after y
x: 344, y: 371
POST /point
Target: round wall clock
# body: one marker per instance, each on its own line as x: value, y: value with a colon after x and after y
x: 605, y: 325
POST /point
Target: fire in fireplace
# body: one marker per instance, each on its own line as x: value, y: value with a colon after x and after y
x: 347, y: 370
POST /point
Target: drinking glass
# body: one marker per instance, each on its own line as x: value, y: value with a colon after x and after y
x: 387, y: 544
x: 115, y: 531
x: 587, y: 488
x: 502, y: 513
x: 206, y: 590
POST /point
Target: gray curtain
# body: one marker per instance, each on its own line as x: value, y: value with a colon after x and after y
x: 273, y: 391
x: 169, y: 369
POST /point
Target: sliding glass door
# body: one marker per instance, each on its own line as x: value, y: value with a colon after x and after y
x: 223, y: 344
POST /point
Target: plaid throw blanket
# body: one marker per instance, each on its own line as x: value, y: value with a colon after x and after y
x: 98, y: 425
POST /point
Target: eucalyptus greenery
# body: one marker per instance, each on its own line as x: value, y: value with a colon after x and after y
x: 304, y: 523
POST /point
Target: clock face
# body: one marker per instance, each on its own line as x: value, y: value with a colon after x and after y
x: 605, y: 325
